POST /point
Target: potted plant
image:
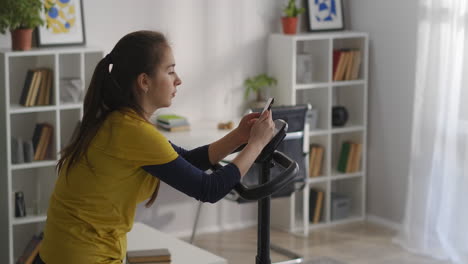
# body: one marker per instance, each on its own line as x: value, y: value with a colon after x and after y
x: 289, y: 20
x: 20, y: 17
x: 257, y: 84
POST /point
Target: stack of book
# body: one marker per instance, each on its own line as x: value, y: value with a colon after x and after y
x: 346, y: 64
x: 315, y: 160
x: 173, y: 123
x: 31, y: 250
x: 350, y: 157
x: 37, y: 88
x: 316, y: 199
x: 151, y: 256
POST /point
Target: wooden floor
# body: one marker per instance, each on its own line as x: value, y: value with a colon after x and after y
x: 357, y: 243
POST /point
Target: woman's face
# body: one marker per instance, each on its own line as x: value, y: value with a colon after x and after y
x: 165, y: 81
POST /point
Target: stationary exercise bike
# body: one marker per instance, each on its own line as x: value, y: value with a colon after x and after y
x: 267, y: 186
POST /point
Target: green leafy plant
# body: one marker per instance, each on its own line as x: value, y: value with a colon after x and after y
x: 21, y: 14
x: 291, y: 10
x: 257, y: 83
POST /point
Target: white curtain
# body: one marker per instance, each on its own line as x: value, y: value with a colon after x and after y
x: 436, y: 219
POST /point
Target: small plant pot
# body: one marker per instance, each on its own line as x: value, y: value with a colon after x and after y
x: 289, y: 25
x: 21, y: 39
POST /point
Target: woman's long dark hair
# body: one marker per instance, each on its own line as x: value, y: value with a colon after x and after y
x: 111, y: 90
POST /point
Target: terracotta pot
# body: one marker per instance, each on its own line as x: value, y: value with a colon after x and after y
x: 289, y: 25
x: 21, y: 39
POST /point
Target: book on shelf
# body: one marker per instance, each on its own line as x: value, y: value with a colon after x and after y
x: 42, y: 139
x: 31, y: 250
x: 33, y: 87
x: 36, y: 135
x: 336, y: 59
x: 316, y: 200
x: 312, y: 155
x: 350, y: 157
x: 355, y: 159
x: 318, y: 162
x: 315, y: 160
x: 161, y: 255
x: 49, y: 138
x: 349, y: 65
x: 48, y: 94
x: 44, y: 87
x: 356, y: 65
x: 318, y: 207
x: 37, y: 88
x: 343, y: 157
x: 340, y: 67
x: 346, y: 64
x: 27, y: 83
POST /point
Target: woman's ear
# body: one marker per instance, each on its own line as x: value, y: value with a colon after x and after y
x: 143, y: 82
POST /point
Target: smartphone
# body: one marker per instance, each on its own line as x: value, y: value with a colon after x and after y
x: 268, y: 104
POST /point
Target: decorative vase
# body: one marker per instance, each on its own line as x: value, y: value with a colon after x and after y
x: 21, y: 39
x: 289, y: 25
x: 339, y: 116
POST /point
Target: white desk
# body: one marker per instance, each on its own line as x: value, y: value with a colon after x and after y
x: 200, y: 133
x: 143, y: 237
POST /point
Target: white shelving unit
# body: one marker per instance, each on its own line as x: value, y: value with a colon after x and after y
x: 322, y: 93
x: 35, y: 179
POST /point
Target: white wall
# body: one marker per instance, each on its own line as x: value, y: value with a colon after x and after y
x: 217, y: 44
x: 392, y: 26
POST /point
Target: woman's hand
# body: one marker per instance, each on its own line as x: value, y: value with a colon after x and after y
x: 262, y: 130
x: 244, y: 127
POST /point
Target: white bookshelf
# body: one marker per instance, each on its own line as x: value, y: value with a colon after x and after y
x: 35, y: 179
x: 322, y: 93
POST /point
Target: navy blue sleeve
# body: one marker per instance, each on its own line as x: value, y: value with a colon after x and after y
x: 198, y: 157
x: 183, y: 176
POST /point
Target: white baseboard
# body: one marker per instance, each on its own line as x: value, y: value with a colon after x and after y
x: 384, y: 222
x: 214, y: 229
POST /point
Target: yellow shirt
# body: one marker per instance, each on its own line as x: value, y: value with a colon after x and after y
x: 93, y: 206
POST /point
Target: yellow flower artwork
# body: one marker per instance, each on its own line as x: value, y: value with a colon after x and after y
x: 61, y: 16
x: 64, y: 23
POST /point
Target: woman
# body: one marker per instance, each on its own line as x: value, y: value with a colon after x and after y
x: 118, y: 157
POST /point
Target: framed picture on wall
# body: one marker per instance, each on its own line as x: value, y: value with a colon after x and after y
x: 325, y: 15
x: 64, y: 24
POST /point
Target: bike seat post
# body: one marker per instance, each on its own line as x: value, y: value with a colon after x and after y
x: 263, y: 240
